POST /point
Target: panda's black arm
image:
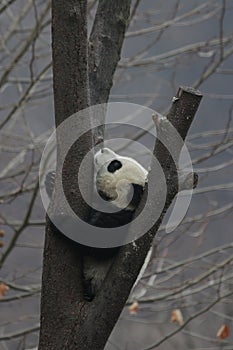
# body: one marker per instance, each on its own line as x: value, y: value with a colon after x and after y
x: 137, y: 195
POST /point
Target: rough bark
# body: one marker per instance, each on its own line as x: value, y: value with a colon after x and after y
x: 105, y: 45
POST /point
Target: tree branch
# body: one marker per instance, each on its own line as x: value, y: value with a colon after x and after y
x: 105, y: 45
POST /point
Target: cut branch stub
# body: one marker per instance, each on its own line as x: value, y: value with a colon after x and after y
x: 181, y: 114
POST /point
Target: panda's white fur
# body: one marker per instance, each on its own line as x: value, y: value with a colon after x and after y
x: 117, y: 184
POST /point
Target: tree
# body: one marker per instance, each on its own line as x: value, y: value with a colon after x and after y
x: 61, y: 288
x: 27, y: 185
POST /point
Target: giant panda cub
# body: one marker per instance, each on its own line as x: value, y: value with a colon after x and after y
x: 120, y: 181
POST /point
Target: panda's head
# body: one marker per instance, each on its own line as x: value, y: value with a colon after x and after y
x: 119, y: 179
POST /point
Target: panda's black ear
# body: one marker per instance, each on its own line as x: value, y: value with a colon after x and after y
x: 114, y: 165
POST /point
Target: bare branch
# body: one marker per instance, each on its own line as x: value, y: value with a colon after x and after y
x: 21, y: 333
x: 32, y: 36
x: 200, y: 312
x: 176, y: 52
x: 21, y: 228
x: 4, y: 7
x: 168, y: 23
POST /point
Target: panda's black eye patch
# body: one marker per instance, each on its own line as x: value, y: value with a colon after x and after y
x: 114, y: 165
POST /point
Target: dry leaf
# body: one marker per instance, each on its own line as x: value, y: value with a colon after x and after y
x: 223, y: 332
x: 2, y: 233
x: 177, y: 317
x: 133, y: 309
x: 3, y: 290
x: 1, y: 244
